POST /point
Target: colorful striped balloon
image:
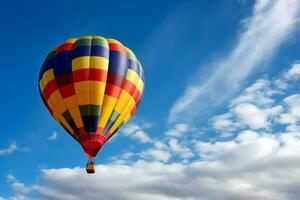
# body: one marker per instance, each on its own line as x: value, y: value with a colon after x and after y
x: 92, y: 86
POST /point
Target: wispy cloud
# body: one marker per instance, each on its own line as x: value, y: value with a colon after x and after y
x: 269, y: 26
x: 11, y: 149
x: 179, y: 129
x: 19, y: 186
x: 53, y: 136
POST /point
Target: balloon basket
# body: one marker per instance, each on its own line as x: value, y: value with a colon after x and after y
x: 90, y: 167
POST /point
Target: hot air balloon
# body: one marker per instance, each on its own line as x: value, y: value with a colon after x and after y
x: 91, y: 86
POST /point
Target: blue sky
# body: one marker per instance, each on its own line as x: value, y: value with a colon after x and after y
x: 221, y: 96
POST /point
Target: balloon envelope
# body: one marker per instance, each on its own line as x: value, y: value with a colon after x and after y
x: 91, y: 86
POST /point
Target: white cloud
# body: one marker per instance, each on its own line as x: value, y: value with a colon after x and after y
x: 179, y: 129
x: 17, y: 197
x: 255, y: 165
x: 251, y: 115
x: 225, y: 124
x: 257, y: 108
x: 291, y: 116
x: 22, y: 191
x: 247, y: 143
x: 256, y: 44
x: 19, y: 186
x: 156, y: 154
x: 53, y: 136
x: 293, y: 73
x: 11, y: 149
x: 293, y: 103
x: 136, y: 132
x: 260, y: 93
x: 255, y: 117
x: 180, y: 149
x: 261, y: 5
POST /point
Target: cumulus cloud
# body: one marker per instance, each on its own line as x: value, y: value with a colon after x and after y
x: 253, y: 116
x: 291, y: 116
x: 156, y: 154
x: 256, y: 44
x: 135, y: 131
x: 259, y: 106
x: 293, y: 73
x: 257, y: 162
x: 11, y: 149
x: 179, y: 149
x: 248, y: 167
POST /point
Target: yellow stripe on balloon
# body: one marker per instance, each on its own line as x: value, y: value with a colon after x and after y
x: 83, y: 99
x: 71, y: 101
x: 75, y: 113
x: 82, y: 87
x: 42, y: 85
x: 140, y: 86
x: 114, y: 41
x: 122, y: 101
x: 97, y: 90
x: 50, y: 102
x: 125, y: 97
x: 65, y: 123
x: 82, y: 62
x: 132, y: 76
x: 71, y: 40
x: 127, y: 118
x: 85, y: 62
x: 127, y: 110
x: 60, y: 106
x: 99, y: 62
x: 72, y: 105
x: 99, y: 37
x: 107, y: 108
x: 86, y: 37
x: 48, y: 76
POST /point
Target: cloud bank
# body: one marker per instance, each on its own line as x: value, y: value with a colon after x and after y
x: 255, y: 161
x: 271, y: 23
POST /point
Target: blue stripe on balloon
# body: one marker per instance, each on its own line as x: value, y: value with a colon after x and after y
x: 90, y: 123
x: 118, y: 63
x: 48, y: 64
x: 133, y: 65
x: 90, y: 51
x: 62, y: 63
x: 107, y: 126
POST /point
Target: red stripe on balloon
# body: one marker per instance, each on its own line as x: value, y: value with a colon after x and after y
x: 67, y: 90
x: 81, y: 75
x: 136, y: 95
x: 112, y: 90
x: 98, y: 75
x: 49, y: 89
x: 117, y: 47
x: 64, y: 47
x: 129, y: 87
x: 115, y: 79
